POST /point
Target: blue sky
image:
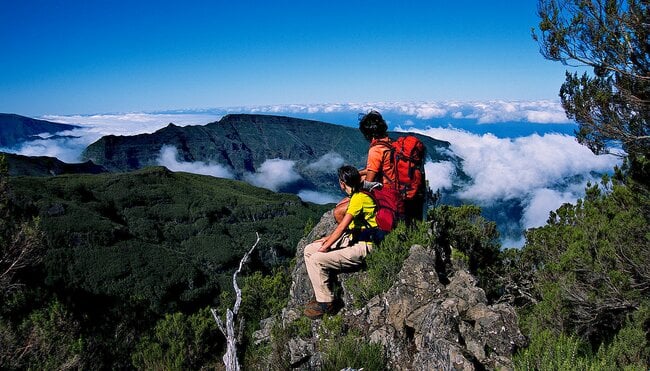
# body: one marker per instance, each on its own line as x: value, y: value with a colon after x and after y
x: 83, y: 57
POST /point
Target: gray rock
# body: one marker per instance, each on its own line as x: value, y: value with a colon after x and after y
x: 421, y: 323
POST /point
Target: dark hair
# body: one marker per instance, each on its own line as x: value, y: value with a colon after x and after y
x: 350, y: 176
x: 372, y: 125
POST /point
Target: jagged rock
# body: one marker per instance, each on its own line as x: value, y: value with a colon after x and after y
x: 422, y: 323
x: 301, y: 290
x: 299, y: 351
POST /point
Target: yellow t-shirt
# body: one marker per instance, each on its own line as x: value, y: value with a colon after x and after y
x: 361, y: 207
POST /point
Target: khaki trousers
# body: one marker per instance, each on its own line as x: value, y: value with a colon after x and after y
x: 342, y: 255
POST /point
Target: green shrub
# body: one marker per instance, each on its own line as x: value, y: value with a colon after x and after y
x: 630, y: 348
x: 551, y: 351
x: 352, y: 351
x: 180, y: 342
x: 464, y: 229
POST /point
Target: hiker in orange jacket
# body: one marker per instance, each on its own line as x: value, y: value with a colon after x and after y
x: 381, y: 166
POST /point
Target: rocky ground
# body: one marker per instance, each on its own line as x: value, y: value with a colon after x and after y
x: 421, y: 322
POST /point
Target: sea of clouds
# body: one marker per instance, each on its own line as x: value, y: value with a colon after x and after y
x: 512, y: 150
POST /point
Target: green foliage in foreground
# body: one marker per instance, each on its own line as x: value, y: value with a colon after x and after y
x: 353, y: 351
x: 588, y: 276
x: 180, y: 342
x: 128, y: 259
x: 629, y: 349
x: 591, y: 261
x: 472, y: 238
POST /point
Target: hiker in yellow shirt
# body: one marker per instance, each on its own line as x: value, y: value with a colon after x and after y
x: 345, y: 248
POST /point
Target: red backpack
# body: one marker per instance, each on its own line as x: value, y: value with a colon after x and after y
x: 407, y: 155
x: 388, y: 204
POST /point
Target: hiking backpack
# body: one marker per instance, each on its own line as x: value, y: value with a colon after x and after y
x: 407, y: 155
x: 387, y: 203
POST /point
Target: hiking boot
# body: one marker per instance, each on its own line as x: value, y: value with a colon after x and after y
x: 312, y: 304
x: 318, y: 310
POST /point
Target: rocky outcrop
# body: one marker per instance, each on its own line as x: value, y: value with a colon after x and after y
x: 421, y: 323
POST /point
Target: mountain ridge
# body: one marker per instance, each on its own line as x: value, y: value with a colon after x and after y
x: 15, y: 129
x: 243, y: 142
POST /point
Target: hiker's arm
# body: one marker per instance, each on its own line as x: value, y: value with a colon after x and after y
x: 370, y: 175
x: 338, y: 232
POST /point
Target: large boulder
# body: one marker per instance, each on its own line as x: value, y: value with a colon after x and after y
x: 422, y: 323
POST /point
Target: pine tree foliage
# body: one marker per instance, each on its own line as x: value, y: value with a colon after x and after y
x: 20, y: 240
x: 612, y: 106
x: 592, y: 261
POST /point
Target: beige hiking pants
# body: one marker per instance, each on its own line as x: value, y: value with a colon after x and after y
x: 341, y: 256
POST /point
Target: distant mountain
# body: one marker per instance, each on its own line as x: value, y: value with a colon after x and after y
x: 244, y: 142
x: 47, y: 166
x: 15, y: 129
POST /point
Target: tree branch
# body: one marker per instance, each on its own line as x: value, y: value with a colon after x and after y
x: 230, y: 358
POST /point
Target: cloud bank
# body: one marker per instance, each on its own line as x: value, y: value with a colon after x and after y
x: 513, y: 168
x: 169, y: 158
x: 328, y: 163
x: 440, y: 175
x: 318, y: 197
x: 540, y: 172
x: 273, y: 174
x: 497, y: 111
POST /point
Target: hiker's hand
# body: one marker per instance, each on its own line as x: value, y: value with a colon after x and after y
x: 324, y: 249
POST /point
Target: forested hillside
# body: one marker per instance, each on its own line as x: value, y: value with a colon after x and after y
x: 121, y: 251
x: 47, y: 166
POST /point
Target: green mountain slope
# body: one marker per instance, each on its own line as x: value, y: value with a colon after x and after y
x: 47, y: 166
x: 15, y: 128
x: 154, y: 237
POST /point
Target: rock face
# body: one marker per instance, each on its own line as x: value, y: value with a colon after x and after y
x: 421, y: 323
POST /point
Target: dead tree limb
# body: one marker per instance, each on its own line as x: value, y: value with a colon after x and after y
x: 230, y: 358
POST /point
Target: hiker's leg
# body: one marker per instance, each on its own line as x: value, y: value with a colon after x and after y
x: 314, y: 273
x: 322, y: 263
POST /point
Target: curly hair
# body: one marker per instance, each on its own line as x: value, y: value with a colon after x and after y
x: 372, y: 125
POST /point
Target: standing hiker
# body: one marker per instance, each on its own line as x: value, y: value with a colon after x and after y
x: 397, y: 164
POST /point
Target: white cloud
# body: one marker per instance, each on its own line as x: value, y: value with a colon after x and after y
x: 504, y: 168
x: 439, y: 174
x: 169, y: 158
x: 542, y: 202
x: 328, y: 163
x: 273, y: 174
x: 318, y: 197
x: 540, y: 112
x: 132, y: 123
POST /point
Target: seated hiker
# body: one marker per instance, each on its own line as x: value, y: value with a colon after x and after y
x: 346, y: 248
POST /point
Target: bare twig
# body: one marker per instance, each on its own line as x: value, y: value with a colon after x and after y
x: 230, y: 358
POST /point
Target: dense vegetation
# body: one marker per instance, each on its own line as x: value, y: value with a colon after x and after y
x: 130, y: 263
